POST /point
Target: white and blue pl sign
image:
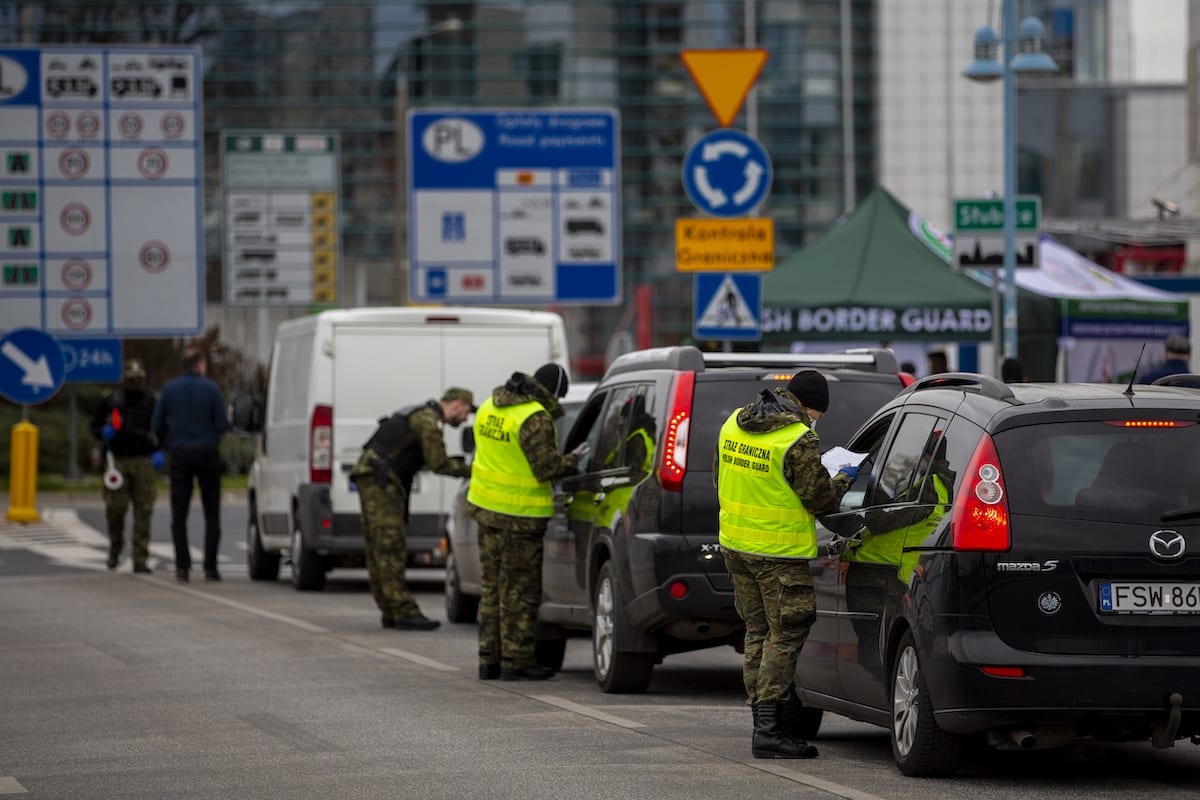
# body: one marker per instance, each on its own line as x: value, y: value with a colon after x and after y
x: 31, y: 366
x: 728, y: 305
x: 514, y: 206
x: 91, y: 360
x: 727, y: 173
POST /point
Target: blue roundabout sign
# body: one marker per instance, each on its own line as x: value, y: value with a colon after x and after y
x: 727, y: 173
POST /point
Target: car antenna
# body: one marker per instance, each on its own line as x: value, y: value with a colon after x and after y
x: 1129, y: 389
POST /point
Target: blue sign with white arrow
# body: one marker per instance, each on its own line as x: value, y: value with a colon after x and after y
x: 31, y: 366
x: 728, y: 305
x: 727, y: 173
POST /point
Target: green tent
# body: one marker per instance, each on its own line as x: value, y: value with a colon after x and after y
x: 870, y: 277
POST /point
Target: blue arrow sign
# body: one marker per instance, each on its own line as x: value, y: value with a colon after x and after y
x: 727, y: 173
x: 727, y: 305
x: 31, y: 366
x: 91, y: 360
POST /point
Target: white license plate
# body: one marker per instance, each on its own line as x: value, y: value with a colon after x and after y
x: 1144, y: 597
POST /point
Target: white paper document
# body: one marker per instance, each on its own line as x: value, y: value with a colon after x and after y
x: 837, y: 457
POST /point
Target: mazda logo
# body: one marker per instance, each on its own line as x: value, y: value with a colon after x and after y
x: 1167, y: 544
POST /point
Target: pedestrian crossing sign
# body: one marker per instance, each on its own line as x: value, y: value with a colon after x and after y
x: 728, y: 305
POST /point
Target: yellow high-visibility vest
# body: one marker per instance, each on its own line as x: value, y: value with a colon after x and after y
x: 760, y: 512
x: 501, y: 478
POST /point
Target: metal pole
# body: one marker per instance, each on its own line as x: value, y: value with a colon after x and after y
x: 73, y: 471
x: 849, y: 175
x: 1010, y: 182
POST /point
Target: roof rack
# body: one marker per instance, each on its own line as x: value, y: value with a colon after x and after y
x: 1187, y: 379
x: 687, y: 357
x: 985, y: 385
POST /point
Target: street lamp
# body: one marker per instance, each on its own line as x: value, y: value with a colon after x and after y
x: 1023, y: 55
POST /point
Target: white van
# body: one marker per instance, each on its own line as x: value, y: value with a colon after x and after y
x: 333, y: 375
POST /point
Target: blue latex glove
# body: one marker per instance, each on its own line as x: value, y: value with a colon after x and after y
x: 158, y: 459
x: 108, y: 433
x: 852, y: 471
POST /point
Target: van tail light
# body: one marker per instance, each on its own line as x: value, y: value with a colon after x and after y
x: 320, y: 451
x: 675, y: 441
x: 980, y: 518
x: 906, y: 379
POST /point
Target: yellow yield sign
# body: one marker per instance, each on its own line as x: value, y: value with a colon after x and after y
x: 724, y: 77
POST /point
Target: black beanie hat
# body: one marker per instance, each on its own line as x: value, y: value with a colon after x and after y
x: 810, y: 389
x: 554, y: 378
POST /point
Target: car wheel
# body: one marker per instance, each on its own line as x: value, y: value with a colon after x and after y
x: 262, y: 565
x: 617, y: 672
x: 919, y: 746
x: 308, y: 569
x: 459, y: 607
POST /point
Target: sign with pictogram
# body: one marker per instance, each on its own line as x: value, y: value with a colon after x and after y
x: 724, y: 77
x: 115, y: 173
x: 728, y: 306
x: 727, y: 173
x: 705, y: 245
x: 31, y: 366
x: 281, y: 219
x: 91, y: 360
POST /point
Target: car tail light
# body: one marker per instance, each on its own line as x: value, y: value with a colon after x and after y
x: 320, y: 451
x: 1004, y: 672
x: 980, y: 518
x: 1149, y: 423
x: 675, y: 441
x: 906, y: 379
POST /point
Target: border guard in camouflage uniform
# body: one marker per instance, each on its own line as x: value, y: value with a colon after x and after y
x: 770, y: 482
x: 516, y: 457
x: 122, y: 422
x: 402, y: 444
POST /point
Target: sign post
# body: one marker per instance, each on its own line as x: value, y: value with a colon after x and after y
x: 727, y: 175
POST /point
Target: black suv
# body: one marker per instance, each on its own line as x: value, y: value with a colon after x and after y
x: 1018, y: 563
x: 631, y: 555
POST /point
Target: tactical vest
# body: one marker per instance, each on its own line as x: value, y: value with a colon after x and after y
x: 134, y: 410
x: 760, y: 512
x: 394, y: 443
x: 501, y: 478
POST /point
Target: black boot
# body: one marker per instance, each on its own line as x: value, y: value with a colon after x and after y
x: 771, y: 741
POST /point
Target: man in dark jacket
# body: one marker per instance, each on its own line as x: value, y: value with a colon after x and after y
x: 189, y: 420
x: 770, y: 484
x: 122, y: 422
x: 404, y: 443
x: 516, y: 457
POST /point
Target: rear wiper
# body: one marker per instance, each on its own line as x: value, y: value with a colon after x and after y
x: 1180, y: 514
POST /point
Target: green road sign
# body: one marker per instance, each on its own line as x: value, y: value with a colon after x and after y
x: 986, y: 214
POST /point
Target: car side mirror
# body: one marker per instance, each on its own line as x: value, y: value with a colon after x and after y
x: 245, y: 414
x: 468, y: 440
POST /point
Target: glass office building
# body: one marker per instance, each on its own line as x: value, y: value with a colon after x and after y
x: 357, y: 67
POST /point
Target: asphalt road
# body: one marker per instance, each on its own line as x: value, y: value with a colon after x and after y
x: 121, y: 686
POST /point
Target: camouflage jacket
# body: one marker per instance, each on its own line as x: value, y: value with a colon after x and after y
x: 802, y: 467
x: 539, y: 442
x: 423, y: 433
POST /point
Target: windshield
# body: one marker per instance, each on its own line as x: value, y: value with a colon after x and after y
x: 1101, y: 470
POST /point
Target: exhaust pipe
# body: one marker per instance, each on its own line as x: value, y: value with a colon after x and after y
x: 1023, y: 739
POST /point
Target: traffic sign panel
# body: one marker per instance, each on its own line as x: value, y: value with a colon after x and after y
x: 727, y: 173
x: 514, y: 205
x: 91, y: 360
x: 727, y: 305
x: 724, y: 77
x: 31, y: 366
x: 704, y: 245
x: 986, y: 214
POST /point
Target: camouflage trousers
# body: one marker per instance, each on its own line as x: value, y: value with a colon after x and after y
x: 775, y: 598
x: 385, y: 545
x: 140, y: 490
x: 510, y: 585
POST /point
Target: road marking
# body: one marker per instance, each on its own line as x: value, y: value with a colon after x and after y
x: 587, y: 711
x: 258, y: 612
x: 416, y: 659
x: 10, y: 786
x: 821, y: 784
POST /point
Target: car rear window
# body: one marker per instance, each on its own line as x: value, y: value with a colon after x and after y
x: 1101, y: 471
x: 851, y: 403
